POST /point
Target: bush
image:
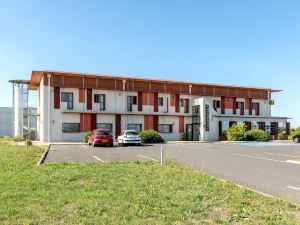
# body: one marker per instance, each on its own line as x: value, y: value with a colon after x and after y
x: 28, y: 142
x: 86, y: 136
x: 17, y: 139
x: 257, y: 135
x: 281, y: 136
x: 151, y: 136
x: 236, y: 133
x: 294, y: 132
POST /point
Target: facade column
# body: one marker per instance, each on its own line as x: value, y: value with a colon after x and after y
x: 124, y: 105
x: 49, y: 107
x: 190, y: 98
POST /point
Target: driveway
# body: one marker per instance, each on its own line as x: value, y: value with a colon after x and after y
x: 264, y: 168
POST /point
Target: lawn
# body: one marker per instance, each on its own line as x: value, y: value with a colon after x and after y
x: 125, y: 193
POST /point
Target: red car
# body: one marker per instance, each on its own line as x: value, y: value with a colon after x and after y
x: 101, y: 137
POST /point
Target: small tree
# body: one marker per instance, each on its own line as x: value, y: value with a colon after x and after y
x: 236, y: 132
x: 257, y: 135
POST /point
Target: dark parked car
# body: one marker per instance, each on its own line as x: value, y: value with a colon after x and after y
x: 101, y: 137
x: 296, y: 138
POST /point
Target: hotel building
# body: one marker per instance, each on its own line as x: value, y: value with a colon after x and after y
x: 70, y: 104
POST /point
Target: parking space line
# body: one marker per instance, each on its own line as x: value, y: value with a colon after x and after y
x: 294, y: 188
x: 146, y: 157
x: 84, y: 146
x: 95, y: 157
x: 254, y: 157
x: 271, y: 153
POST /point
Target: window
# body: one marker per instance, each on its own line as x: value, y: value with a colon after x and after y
x: 104, y: 126
x: 70, y: 127
x: 185, y: 103
x: 254, y: 126
x: 131, y: 100
x: 216, y: 104
x: 268, y: 127
x: 137, y: 127
x: 225, y: 126
x: 165, y: 128
x: 100, y: 98
x: 68, y: 98
x: 161, y: 101
x: 255, y: 107
x: 282, y: 128
x: 240, y: 106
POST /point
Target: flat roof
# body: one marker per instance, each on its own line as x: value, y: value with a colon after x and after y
x: 36, y: 77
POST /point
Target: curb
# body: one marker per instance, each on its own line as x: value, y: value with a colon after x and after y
x: 42, y: 160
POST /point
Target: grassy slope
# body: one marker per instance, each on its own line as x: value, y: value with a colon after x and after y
x: 125, y: 193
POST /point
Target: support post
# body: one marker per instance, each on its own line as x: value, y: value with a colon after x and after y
x: 161, y: 155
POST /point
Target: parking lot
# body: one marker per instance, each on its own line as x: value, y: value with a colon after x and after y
x: 269, y: 168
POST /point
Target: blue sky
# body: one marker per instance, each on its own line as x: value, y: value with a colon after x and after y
x: 232, y: 42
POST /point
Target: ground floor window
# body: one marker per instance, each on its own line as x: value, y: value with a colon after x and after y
x: 282, y: 128
x: 225, y: 126
x: 254, y: 126
x: 104, y: 126
x: 165, y: 128
x: 137, y: 127
x: 70, y: 127
x: 268, y: 127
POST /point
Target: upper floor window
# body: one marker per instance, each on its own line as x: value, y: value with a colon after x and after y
x: 216, y: 104
x: 255, y: 107
x: 165, y: 128
x: 240, y: 106
x: 131, y: 100
x: 68, y: 98
x: 161, y: 101
x: 185, y: 104
x: 100, y: 98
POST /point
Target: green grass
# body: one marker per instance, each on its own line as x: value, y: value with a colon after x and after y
x: 125, y: 193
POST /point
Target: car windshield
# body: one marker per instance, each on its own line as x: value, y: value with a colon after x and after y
x: 103, y: 132
x: 131, y: 133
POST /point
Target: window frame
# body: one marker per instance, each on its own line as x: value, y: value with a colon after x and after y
x: 161, y: 128
x: 109, y: 124
x: 135, y: 124
x: 71, y: 132
x: 160, y: 101
x: 64, y: 97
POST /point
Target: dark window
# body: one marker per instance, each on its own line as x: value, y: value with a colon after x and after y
x: 137, y: 127
x: 165, y: 128
x: 100, y: 98
x: 255, y: 107
x: 70, y: 127
x: 104, y: 126
x: 240, y: 106
x: 216, y: 104
x: 131, y: 100
x: 68, y: 98
x: 161, y: 101
x: 185, y: 104
x: 102, y: 102
x: 134, y: 100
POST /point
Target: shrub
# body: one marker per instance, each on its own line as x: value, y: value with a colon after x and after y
x: 17, y: 139
x: 294, y: 132
x: 28, y: 142
x: 236, y: 133
x: 86, y: 136
x: 281, y: 136
x: 151, y: 136
x: 257, y: 135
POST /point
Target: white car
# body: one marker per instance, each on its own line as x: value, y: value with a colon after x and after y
x: 129, y: 137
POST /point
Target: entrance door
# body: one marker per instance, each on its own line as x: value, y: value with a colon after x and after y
x: 189, y: 132
x: 196, y: 132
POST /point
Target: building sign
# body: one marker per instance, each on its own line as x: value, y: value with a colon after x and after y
x: 207, y: 117
x: 271, y: 102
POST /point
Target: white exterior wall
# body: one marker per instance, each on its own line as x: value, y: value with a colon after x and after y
x: 174, y: 120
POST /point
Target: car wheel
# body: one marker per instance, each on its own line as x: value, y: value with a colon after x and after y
x: 89, y: 142
x: 296, y: 139
x: 111, y: 145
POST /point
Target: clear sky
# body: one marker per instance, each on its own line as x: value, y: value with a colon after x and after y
x: 248, y: 42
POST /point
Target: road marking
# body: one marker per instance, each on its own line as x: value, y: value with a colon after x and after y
x: 254, y: 157
x: 148, y: 158
x: 271, y: 153
x: 84, y: 146
x: 292, y: 161
x: 95, y: 157
x: 295, y: 188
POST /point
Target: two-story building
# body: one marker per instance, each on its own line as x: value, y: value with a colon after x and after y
x: 73, y: 103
